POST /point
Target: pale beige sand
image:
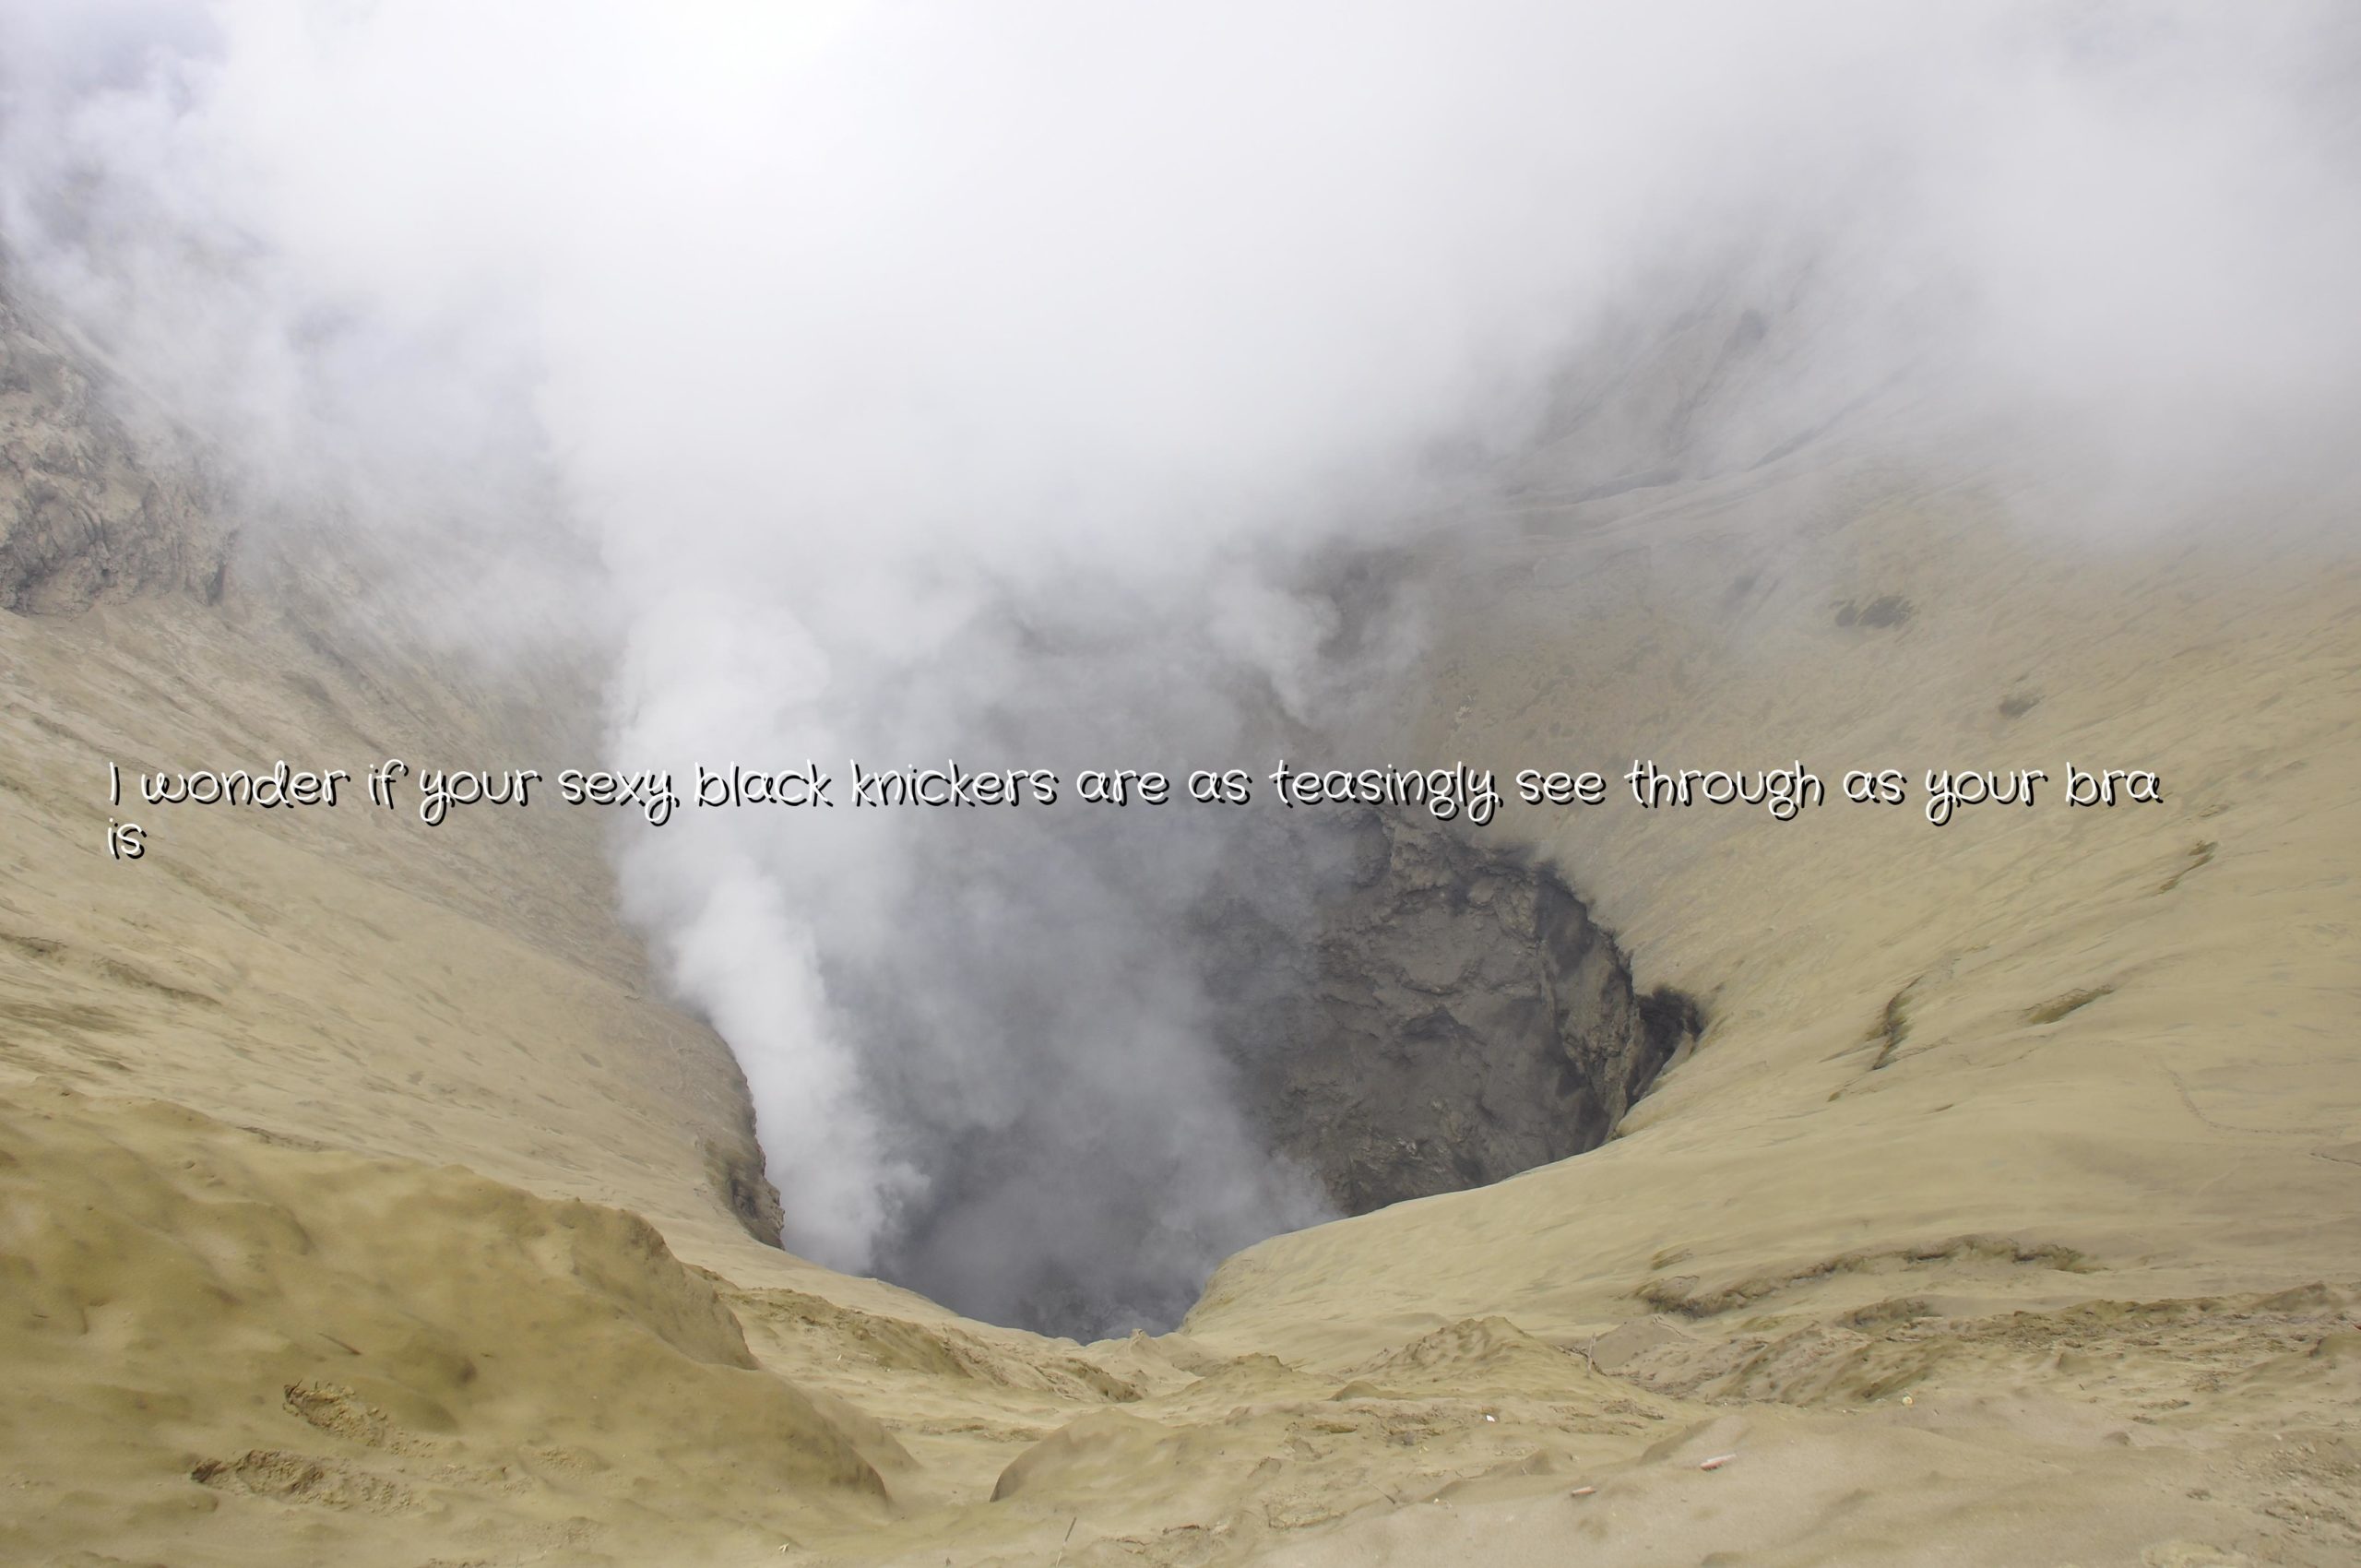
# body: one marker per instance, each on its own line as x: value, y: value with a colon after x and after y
x: 1969, y: 1092
x: 2049, y: 1122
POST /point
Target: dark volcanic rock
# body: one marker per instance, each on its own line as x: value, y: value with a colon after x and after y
x: 1443, y: 1014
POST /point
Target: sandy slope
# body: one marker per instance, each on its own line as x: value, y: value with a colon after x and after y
x: 2116, y: 1044
x: 1969, y: 1092
x: 360, y: 1201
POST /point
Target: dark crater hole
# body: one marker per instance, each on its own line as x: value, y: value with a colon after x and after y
x: 1443, y: 1013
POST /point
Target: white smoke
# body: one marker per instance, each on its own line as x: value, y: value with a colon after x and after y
x: 942, y: 380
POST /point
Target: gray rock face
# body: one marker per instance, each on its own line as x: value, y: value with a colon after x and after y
x: 84, y: 516
x: 1442, y: 1016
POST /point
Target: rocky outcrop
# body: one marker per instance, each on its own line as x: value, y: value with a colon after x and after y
x: 1445, y: 1014
x: 85, y: 513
